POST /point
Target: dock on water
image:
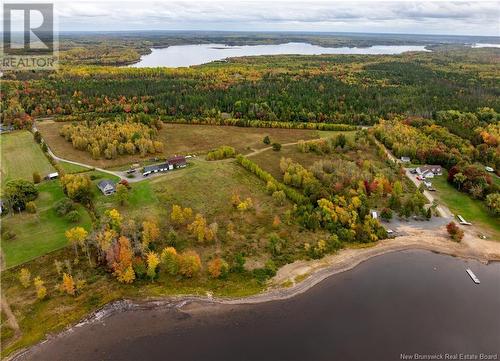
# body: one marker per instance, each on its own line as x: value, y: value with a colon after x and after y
x: 473, y: 276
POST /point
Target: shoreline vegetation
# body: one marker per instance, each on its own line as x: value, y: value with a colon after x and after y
x: 299, y: 277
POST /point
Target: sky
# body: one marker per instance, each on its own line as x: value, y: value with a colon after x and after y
x: 412, y: 17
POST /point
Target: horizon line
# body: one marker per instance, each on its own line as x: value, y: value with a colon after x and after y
x: 267, y: 31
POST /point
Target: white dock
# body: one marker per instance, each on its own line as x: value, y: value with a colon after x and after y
x: 473, y: 276
x: 463, y: 221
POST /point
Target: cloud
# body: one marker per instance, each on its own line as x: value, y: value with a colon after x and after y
x: 443, y: 17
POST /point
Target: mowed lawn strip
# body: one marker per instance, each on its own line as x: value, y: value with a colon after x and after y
x: 40, y: 233
x: 180, y: 139
x: 72, y: 168
x: 21, y: 156
x: 473, y: 210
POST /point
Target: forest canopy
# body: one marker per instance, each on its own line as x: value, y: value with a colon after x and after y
x: 352, y: 89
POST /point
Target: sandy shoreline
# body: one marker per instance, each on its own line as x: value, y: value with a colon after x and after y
x: 312, y: 272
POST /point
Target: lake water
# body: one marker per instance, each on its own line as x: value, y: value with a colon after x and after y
x: 400, y: 303
x: 187, y: 55
x: 484, y: 45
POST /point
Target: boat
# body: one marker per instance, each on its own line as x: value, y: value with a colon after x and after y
x: 473, y: 276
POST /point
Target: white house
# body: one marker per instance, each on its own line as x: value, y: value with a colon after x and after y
x: 429, y: 171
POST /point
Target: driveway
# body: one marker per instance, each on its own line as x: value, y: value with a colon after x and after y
x: 442, y: 209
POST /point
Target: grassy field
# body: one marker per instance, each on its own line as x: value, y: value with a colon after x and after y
x: 207, y: 188
x: 180, y: 139
x: 72, y: 168
x: 472, y: 210
x: 21, y: 156
x: 269, y: 160
x: 40, y: 233
x: 332, y: 133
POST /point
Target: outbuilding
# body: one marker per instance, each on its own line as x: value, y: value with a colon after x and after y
x: 51, y: 176
x: 178, y: 162
x: 149, y: 169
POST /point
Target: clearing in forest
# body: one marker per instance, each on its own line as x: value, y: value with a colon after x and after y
x: 180, y: 139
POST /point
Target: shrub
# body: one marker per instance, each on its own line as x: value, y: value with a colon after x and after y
x: 180, y: 215
x: 386, y: 214
x: 276, y: 147
x: 36, y: 177
x: 493, y: 202
x: 68, y: 285
x: 238, y: 265
x: 189, y: 264
x: 340, y: 140
x: 153, y: 260
x: 31, y: 207
x: 245, y: 205
x: 7, y: 234
x: 319, y: 249
x: 172, y: 237
x: 276, y: 244
x: 25, y: 277
x: 270, y: 268
x: 139, y: 268
x: 73, y: 216
x: 170, y: 260
x: 64, y: 206
x: 218, y: 268
x: 266, y: 140
x: 279, y: 197
x: 41, y: 290
x: 454, y: 231
x: 271, y: 187
x: 222, y: 152
x: 37, y: 136
x: 334, y: 243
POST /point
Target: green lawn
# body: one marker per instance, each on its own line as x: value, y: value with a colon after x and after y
x: 21, y: 156
x: 40, y: 233
x: 72, y: 168
x: 333, y: 133
x: 142, y: 201
x: 472, y: 210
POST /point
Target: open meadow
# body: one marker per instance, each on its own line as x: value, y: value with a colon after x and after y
x: 21, y: 156
x: 179, y: 139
